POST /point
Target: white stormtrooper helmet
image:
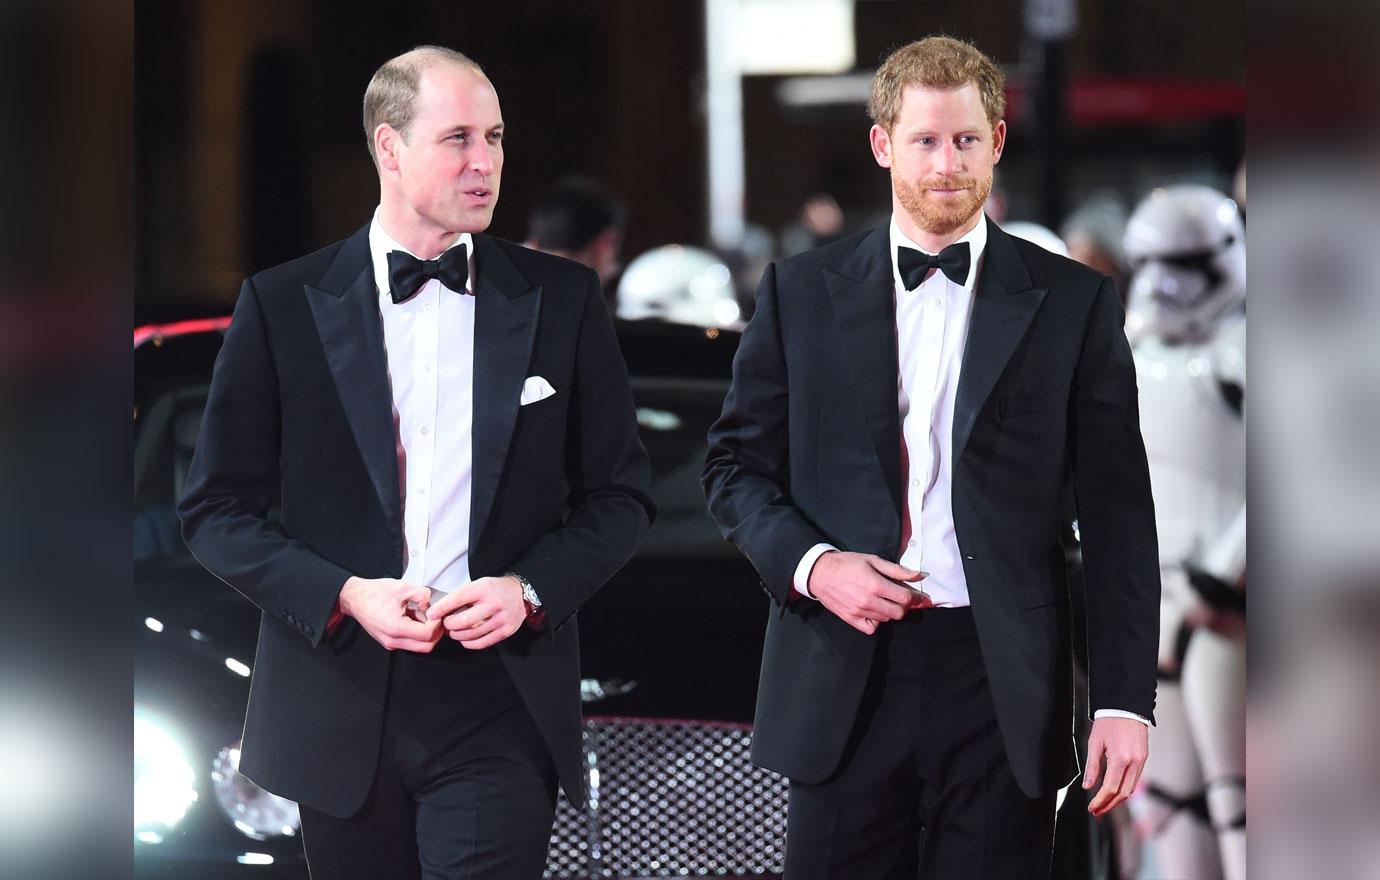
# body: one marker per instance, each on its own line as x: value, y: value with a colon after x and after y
x: 1036, y: 234
x: 681, y: 285
x: 1187, y: 246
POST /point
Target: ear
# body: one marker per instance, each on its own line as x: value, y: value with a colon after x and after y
x: 881, y: 145
x: 387, y: 140
x: 998, y: 140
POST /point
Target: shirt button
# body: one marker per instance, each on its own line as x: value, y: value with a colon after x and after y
x: 421, y: 490
x: 425, y: 430
x: 430, y: 307
x: 934, y: 302
x: 910, y: 543
x: 426, y: 368
x: 915, y: 483
x: 412, y: 553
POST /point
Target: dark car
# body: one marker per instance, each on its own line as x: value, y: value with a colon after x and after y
x: 672, y: 642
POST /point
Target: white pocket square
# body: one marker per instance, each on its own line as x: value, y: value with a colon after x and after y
x: 534, y: 389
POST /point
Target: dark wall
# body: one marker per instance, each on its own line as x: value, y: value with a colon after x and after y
x: 251, y: 149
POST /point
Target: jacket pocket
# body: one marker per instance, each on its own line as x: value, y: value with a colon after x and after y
x: 543, y: 408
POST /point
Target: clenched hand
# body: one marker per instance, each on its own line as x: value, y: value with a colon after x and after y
x: 380, y: 605
x: 482, y: 613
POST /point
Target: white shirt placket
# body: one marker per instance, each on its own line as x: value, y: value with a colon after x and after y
x: 422, y: 452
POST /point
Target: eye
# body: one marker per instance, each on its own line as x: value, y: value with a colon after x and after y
x: 495, y: 137
x: 925, y: 141
x: 968, y: 139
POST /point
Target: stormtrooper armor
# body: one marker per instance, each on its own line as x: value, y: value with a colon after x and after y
x: 1187, y: 293
x: 680, y: 285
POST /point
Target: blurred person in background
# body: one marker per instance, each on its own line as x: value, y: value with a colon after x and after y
x: 416, y: 686
x: 1188, y: 246
x: 820, y: 222
x: 1094, y: 233
x: 579, y: 219
x: 906, y: 407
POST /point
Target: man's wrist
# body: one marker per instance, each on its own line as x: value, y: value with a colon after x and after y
x: 1120, y: 713
x: 803, y: 569
x: 534, y: 613
x: 342, y: 601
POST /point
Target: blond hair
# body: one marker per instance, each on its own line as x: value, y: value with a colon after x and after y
x: 938, y: 63
x: 391, y: 96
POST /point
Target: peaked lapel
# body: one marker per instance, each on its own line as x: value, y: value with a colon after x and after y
x: 863, y: 293
x: 1004, y: 303
x: 346, y: 310
x: 507, y: 309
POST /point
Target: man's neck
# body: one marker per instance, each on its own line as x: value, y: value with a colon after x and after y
x: 931, y: 242
x: 407, y: 229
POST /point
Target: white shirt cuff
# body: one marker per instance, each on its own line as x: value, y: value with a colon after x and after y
x: 1120, y: 713
x: 807, y: 564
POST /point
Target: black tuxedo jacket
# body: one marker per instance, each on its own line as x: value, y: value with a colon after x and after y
x: 300, y: 412
x: 807, y: 450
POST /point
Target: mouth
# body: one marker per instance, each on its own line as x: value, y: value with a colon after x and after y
x: 478, y: 194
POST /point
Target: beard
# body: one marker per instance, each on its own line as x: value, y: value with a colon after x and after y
x: 942, y: 216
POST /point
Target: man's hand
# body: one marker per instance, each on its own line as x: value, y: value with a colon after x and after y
x: 862, y: 590
x: 1125, y: 744
x: 380, y: 606
x: 482, y: 613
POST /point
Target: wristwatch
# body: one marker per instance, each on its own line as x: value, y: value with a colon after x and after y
x: 536, y: 615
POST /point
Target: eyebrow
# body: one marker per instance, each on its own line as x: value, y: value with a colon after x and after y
x: 457, y: 129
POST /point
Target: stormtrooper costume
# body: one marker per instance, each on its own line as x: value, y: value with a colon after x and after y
x: 1187, y: 323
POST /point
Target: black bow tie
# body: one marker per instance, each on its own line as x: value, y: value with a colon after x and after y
x: 915, y: 265
x: 406, y: 273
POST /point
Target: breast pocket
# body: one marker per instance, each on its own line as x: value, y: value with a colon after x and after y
x: 542, y: 409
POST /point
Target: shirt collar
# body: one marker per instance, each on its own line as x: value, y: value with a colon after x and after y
x: 380, y: 243
x: 977, y: 244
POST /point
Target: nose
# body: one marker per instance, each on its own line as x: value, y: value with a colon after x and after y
x: 481, y: 158
x: 947, y: 162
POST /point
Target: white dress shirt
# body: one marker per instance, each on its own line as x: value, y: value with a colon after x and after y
x: 430, y: 345
x: 931, y: 333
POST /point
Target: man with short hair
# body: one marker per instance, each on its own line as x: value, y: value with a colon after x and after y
x: 445, y: 420
x: 906, y: 407
x: 579, y: 219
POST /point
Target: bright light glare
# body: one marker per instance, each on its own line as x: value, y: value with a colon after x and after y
x: 254, y: 858
x: 164, y: 784
x: 796, y: 36
x: 35, y: 773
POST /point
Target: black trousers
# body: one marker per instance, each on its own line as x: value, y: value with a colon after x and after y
x: 924, y: 788
x: 465, y: 787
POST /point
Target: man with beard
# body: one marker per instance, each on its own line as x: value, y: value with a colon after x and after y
x: 908, y: 406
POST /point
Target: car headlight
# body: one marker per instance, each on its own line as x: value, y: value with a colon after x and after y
x: 164, y: 784
x: 258, y: 814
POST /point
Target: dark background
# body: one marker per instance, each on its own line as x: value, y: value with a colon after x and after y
x: 249, y: 147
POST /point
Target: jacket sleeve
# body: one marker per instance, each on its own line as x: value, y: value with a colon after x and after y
x: 1116, y: 516
x: 608, y: 472
x: 233, y: 479
x: 747, y: 469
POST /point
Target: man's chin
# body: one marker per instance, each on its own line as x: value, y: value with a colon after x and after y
x: 944, y: 222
